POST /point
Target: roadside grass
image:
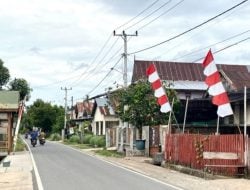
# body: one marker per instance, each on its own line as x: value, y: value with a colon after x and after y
x: 20, y: 145
x: 77, y: 145
x: 109, y: 153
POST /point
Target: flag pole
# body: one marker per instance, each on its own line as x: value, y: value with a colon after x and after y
x: 169, y: 119
x: 245, y: 124
x: 185, y: 114
x: 218, y: 123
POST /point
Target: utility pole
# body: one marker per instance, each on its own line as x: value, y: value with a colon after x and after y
x: 65, y: 110
x: 125, y: 54
x: 125, y: 81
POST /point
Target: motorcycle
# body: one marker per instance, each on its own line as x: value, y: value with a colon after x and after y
x: 26, y: 135
x: 33, y: 142
x: 42, y: 141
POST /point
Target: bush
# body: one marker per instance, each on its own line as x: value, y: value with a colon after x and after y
x: 86, y: 138
x: 74, y: 139
x: 98, y: 141
x: 55, y: 137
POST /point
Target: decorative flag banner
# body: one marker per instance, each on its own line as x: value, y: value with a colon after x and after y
x: 159, y: 92
x: 215, y: 86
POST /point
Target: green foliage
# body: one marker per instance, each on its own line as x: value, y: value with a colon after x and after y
x: 98, y: 141
x: 86, y: 138
x: 55, y: 137
x: 142, y: 107
x: 20, y: 146
x: 74, y: 139
x: 45, y: 116
x: 22, y: 86
x: 4, y: 74
x: 109, y: 153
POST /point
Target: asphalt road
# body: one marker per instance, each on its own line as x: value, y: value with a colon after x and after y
x: 61, y: 167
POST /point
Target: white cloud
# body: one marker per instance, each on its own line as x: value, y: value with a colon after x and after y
x: 55, y: 41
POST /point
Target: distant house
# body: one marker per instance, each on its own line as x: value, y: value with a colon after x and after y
x: 188, y: 80
x: 9, y: 104
x: 105, y: 121
x: 81, y: 112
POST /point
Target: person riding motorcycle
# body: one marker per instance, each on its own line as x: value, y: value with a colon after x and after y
x: 33, y: 135
x: 42, y: 137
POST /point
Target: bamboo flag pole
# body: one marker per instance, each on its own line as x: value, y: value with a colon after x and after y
x: 217, y: 128
x: 245, y: 125
x: 185, y: 115
x: 169, y: 119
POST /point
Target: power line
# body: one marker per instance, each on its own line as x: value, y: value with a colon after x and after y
x: 137, y: 15
x: 196, y: 51
x: 189, y: 30
x: 74, y: 83
x: 104, y: 77
x: 222, y: 49
x: 148, y: 15
x: 171, y: 8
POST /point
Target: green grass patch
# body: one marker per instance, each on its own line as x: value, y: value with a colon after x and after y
x: 77, y: 145
x: 20, y: 146
x: 109, y: 153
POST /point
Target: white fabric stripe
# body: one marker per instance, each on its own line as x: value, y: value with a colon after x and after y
x: 224, y: 110
x: 210, y: 69
x: 153, y: 77
x: 216, y: 89
x: 165, y: 107
x: 159, y: 92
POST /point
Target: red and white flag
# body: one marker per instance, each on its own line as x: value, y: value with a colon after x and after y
x: 156, y: 84
x: 215, y: 86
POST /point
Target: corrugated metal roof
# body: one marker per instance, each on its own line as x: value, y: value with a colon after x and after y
x: 104, y: 106
x: 9, y: 99
x: 181, y: 71
x: 187, y: 85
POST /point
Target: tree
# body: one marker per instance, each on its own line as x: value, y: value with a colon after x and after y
x: 4, y: 75
x: 45, y: 116
x: 22, y: 86
x: 140, y: 105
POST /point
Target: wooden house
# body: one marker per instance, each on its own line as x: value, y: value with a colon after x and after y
x: 9, y: 104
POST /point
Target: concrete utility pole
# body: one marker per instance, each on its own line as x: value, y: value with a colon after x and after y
x: 125, y: 54
x: 65, y: 110
x: 125, y: 78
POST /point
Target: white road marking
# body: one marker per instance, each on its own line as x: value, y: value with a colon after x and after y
x: 38, y: 178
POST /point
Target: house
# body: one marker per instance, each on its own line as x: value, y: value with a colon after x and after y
x: 81, y: 112
x: 105, y: 121
x: 188, y: 80
x: 9, y: 104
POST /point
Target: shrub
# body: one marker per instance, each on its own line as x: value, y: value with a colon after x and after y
x: 74, y: 139
x: 55, y: 137
x: 98, y: 141
x: 86, y: 138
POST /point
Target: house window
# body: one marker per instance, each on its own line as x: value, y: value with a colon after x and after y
x: 101, y: 128
x: 96, y: 128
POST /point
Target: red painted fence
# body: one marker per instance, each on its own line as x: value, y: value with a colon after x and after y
x: 224, y: 153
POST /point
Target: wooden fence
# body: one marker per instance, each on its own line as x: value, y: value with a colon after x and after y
x: 222, y: 154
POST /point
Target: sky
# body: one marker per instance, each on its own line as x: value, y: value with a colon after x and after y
x: 58, y: 44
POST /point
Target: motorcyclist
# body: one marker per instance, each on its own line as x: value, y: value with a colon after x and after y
x: 33, y: 135
x: 42, y: 137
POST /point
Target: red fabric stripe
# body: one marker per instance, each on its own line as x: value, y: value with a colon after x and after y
x: 162, y: 100
x: 213, y: 79
x: 209, y: 58
x: 150, y: 69
x: 156, y: 84
x: 220, y: 99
